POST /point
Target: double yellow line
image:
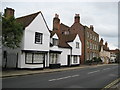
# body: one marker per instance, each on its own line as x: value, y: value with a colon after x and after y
x: 111, y: 84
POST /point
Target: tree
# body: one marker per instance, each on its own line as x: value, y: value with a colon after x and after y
x: 97, y: 60
x: 12, y: 32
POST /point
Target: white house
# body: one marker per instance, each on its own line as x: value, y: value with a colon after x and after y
x: 69, y: 45
x: 34, y: 49
x: 54, y: 52
x: 35, y: 43
x: 104, y: 55
x: 76, y: 50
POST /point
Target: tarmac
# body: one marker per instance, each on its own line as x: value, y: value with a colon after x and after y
x: 18, y: 72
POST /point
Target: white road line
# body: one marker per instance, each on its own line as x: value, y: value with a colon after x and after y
x: 106, y: 68
x: 75, y: 76
x: 93, y: 72
x: 63, y: 78
x: 52, y: 80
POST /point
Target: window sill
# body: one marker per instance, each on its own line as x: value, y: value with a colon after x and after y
x: 38, y: 43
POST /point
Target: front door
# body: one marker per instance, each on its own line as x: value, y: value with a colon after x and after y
x: 68, y: 60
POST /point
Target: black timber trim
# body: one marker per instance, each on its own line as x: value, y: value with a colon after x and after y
x: 34, y: 51
x: 52, y: 51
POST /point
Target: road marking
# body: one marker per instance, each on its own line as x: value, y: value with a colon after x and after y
x: 93, y: 72
x: 111, y: 84
x: 106, y: 68
x: 75, y: 76
x: 63, y: 78
x: 52, y: 80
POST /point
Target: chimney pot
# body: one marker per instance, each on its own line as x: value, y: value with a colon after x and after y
x: 77, y: 18
x: 106, y: 44
x: 9, y: 12
x: 91, y: 27
x: 56, y: 22
x: 56, y: 15
x: 101, y: 41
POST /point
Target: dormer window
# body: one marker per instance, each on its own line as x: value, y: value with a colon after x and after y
x: 38, y: 38
x: 55, y: 42
x: 77, y: 44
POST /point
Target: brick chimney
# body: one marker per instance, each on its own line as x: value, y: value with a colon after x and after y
x: 56, y: 22
x: 101, y: 41
x: 91, y: 27
x: 77, y: 18
x: 9, y: 12
x: 106, y: 44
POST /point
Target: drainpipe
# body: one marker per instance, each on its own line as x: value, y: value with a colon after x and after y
x: 70, y: 56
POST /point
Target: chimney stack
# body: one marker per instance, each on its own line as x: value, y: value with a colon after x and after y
x: 56, y: 22
x: 91, y: 27
x: 77, y: 18
x: 106, y: 44
x: 101, y: 41
x: 9, y: 12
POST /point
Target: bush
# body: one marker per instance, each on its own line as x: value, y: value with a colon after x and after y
x: 97, y: 60
x: 88, y: 62
x: 93, y: 60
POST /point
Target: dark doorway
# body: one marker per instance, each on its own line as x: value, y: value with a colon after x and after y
x: 68, y: 60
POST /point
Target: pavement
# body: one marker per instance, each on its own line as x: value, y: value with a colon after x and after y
x: 14, y: 73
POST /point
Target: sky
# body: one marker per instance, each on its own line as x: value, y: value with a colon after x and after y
x: 102, y: 15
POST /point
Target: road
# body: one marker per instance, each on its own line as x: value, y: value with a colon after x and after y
x: 89, y: 77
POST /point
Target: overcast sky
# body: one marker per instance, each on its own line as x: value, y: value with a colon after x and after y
x: 102, y: 15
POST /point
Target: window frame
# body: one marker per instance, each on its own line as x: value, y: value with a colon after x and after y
x: 77, y: 45
x: 53, y: 58
x: 75, y: 59
x: 55, y: 41
x: 40, y: 38
x: 32, y: 61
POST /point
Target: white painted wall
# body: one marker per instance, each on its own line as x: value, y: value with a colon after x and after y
x: 64, y: 56
x: 55, y: 36
x: 37, y: 25
x: 28, y: 42
x: 76, y: 51
x: 104, y: 55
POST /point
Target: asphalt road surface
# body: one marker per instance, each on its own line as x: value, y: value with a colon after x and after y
x: 89, y: 77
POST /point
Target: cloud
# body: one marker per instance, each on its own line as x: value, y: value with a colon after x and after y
x: 103, y: 16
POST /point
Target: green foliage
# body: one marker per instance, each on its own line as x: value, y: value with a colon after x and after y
x: 97, y: 60
x: 88, y: 61
x: 12, y: 32
x: 93, y: 60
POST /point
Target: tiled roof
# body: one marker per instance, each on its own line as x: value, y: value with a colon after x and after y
x: 26, y: 20
x: 64, y: 27
x: 63, y: 39
x: 115, y: 51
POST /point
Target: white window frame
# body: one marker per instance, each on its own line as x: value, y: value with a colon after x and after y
x: 38, y: 38
x: 77, y: 45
